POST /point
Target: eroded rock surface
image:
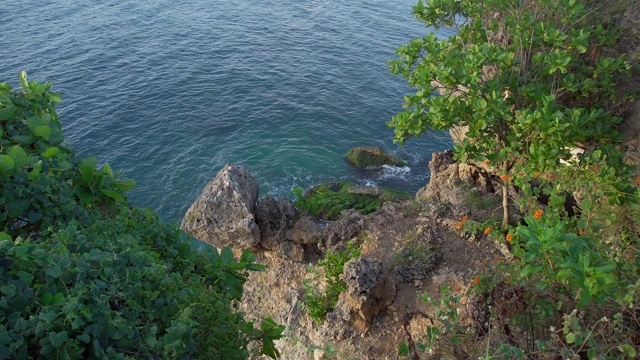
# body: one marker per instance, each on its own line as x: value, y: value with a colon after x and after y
x: 369, y: 290
x: 338, y: 232
x: 451, y: 181
x: 223, y: 215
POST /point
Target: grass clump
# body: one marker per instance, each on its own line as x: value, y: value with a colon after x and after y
x: 317, y: 302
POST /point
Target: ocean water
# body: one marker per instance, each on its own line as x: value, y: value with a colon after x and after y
x: 172, y: 91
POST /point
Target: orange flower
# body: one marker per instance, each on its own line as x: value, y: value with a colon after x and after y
x: 509, y: 237
x: 536, y: 175
x: 580, y: 232
x: 486, y: 162
x: 507, y: 282
x: 550, y: 176
x: 487, y: 231
x: 505, y: 177
x: 638, y: 180
x: 459, y: 227
x: 538, y: 214
x: 465, y: 218
x: 596, y: 168
x: 475, y: 281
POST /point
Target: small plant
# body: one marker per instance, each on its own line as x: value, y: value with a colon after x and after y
x: 318, y: 303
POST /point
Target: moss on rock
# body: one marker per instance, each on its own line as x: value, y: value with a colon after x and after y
x: 328, y: 200
x: 364, y: 157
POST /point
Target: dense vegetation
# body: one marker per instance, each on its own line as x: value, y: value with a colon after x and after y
x: 85, y: 275
x: 527, y: 81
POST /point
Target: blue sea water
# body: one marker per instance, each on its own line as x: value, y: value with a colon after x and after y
x: 171, y: 91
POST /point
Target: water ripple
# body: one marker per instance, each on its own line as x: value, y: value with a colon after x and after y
x: 172, y: 91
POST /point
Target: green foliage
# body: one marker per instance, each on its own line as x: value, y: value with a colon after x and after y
x: 327, y: 201
x: 83, y: 275
x: 524, y: 78
x: 318, y: 303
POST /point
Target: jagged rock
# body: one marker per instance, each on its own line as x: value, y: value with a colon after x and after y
x: 304, y: 231
x: 338, y: 232
x: 364, y: 157
x: 417, y: 259
x: 368, y: 292
x: 274, y: 218
x: 447, y: 176
x: 223, y: 214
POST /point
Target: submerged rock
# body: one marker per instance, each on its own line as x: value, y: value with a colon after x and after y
x: 223, y: 215
x: 372, y: 157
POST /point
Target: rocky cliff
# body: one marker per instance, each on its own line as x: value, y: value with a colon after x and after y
x: 408, y: 250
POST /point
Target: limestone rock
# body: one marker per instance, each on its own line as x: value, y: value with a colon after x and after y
x: 368, y: 292
x: 223, y: 214
x: 304, y: 231
x: 364, y: 157
x: 274, y: 218
x: 345, y: 228
x: 447, y: 176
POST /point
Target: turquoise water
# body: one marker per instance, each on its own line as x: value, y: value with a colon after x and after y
x: 172, y: 91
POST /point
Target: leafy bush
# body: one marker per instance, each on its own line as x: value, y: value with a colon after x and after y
x: 84, y: 275
x: 524, y: 79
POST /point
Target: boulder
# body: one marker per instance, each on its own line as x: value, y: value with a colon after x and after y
x: 304, y: 231
x: 368, y: 292
x: 372, y: 157
x: 339, y: 232
x: 448, y: 177
x: 274, y: 218
x: 223, y: 215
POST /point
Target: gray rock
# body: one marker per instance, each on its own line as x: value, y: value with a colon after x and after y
x: 304, y: 231
x: 223, y: 214
x: 274, y: 218
x: 345, y: 228
x: 369, y: 290
x: 447, y: 178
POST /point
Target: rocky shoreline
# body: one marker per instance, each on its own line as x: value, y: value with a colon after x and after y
x: 408, y: 249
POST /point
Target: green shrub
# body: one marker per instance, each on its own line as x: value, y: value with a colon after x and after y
x: 84, y: 275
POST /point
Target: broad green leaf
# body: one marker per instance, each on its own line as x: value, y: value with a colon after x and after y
x: 530, y: 269
x: 112, y: 194
x: 7, y: 113
x: 6, y: 164
x: 64, y: 165
x: 57, y: 339
x: 571, y: 338
x: 42, y: 131
x: 5, y: 236
x: 87, y: 169
x: 124, y: 184
x: 24, y: 139
x: 55, y: 97
x: 51, y: 152
x: 403, y: 349
x: 586, y: 205
x: 45, y: 299
x: 83, y: 194
x: 226, y: 255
